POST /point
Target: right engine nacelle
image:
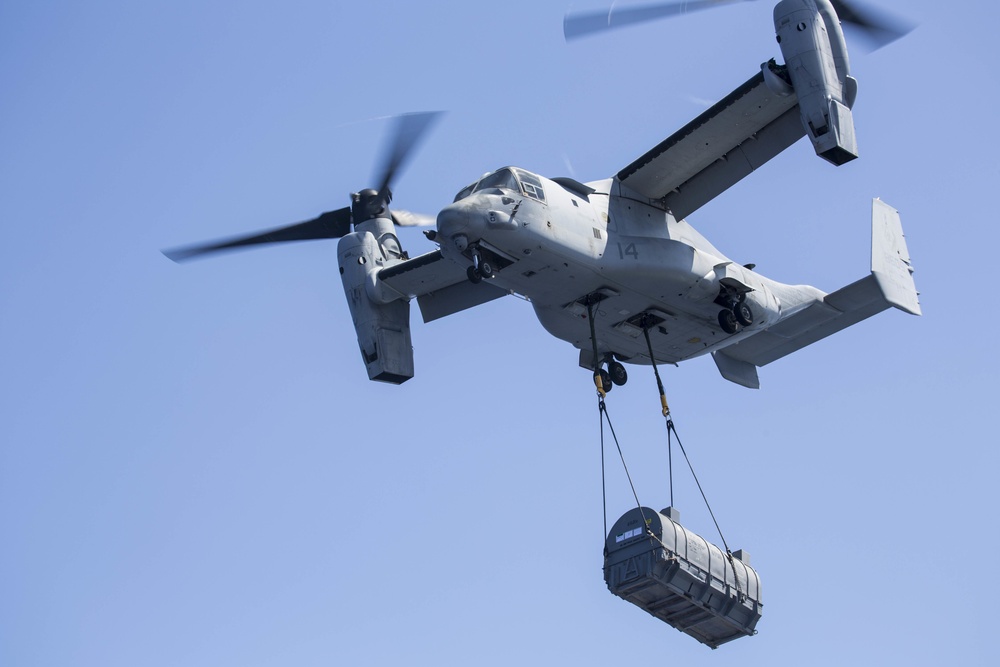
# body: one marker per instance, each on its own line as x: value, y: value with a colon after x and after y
x: 815, y: 53
x: 383, y: 328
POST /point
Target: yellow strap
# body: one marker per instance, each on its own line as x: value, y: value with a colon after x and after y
x: 599, y: 384
x: 666, y: 408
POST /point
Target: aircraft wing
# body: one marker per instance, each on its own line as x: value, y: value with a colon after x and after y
x: 441, y: 286
x: 718, y: 148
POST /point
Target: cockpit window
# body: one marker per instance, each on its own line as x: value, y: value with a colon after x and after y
x: 531, y: 185
x: 503, y: 179
x: 465, y: 192
x: 514, y: 180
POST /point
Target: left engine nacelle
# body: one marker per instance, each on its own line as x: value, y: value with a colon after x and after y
x: 815, y: 53
x: 383, y: 328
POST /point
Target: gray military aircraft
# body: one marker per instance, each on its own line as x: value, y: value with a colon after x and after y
x: 612, y: 266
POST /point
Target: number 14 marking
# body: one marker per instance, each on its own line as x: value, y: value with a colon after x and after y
x: 629, y: 250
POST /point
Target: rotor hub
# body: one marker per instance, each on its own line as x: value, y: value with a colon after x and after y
x: 366, y: 205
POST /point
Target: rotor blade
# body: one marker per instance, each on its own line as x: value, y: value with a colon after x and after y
x: 409, y: 129
x: 411, y: 219
x: 586, y: 23
x: 332, y: 224
x: 880, y: 27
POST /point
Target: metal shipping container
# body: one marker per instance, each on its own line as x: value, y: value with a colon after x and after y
x: 678, y: 577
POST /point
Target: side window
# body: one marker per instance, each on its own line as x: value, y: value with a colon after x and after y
x: 531, y: 186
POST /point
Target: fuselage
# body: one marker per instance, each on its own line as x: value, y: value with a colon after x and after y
x: 565, y: 246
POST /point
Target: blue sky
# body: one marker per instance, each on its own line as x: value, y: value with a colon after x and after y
x: 195, y: 470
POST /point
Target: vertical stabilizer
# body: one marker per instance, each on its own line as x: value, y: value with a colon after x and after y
x: 891, y: 260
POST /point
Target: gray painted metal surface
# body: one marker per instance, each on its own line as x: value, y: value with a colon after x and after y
x: 382, y: 324
x: 678, y: 577
x: 660, y: 290
x: 718, y: 148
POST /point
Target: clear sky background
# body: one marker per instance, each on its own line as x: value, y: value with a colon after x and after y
x: 195, y: 470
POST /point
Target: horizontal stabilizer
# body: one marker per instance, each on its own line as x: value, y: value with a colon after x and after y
x: 839, y: 310
x: 890, y: 284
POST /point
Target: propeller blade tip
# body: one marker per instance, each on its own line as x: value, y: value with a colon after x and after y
x: 176, y: 255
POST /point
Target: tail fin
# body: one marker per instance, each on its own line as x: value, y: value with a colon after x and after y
x: 891, y: 260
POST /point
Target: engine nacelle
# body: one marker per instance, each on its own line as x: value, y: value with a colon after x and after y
x: 815, y: 53
x: 383, y: 328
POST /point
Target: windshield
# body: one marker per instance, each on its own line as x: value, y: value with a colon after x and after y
x: 502, y: 179
x: 465, y: 192
x: 513, y: 180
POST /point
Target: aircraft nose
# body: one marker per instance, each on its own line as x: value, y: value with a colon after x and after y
x: 454, y: 219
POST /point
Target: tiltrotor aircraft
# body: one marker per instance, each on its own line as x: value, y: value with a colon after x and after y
x: 612, y: 266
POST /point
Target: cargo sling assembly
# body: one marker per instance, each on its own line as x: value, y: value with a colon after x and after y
x: 655, y: 563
